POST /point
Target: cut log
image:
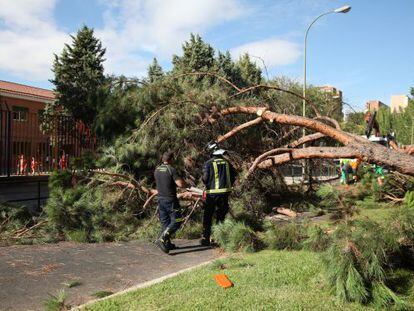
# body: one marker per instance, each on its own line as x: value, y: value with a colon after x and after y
x: 287, y: 212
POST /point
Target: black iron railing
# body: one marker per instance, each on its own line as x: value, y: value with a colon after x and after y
x: 28, y: 149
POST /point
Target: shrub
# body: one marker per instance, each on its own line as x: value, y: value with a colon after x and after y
x: 192, y: 230
x: 403, y: 221
x: 284, y: 236
x: 356, y: 262
x: 62, y: 211
x: 91, y: 212
x: 78, y: 236
x: 60, y: 180
x: 148, y: 230
x: 318, y: 240
x: 338, y: 200
x: 235, y: 236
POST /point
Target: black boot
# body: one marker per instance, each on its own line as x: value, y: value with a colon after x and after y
x: 162, y: 241
x: 205, y: 241
x: 162, y: 246
x: 170, y: 244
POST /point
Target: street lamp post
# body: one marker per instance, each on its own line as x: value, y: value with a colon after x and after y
x: 343, y: 9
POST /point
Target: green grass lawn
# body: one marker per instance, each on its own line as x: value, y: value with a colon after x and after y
x: 268, y: 280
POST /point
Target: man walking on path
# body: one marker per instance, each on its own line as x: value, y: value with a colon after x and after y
x: 218, y: 176
x: 167, y: 180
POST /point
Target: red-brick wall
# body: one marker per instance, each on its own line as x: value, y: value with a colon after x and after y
x: 34, y: 106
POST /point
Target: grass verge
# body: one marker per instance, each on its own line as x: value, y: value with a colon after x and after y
x: 268, y: 280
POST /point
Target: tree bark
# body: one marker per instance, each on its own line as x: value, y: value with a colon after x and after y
x: 354, y: 146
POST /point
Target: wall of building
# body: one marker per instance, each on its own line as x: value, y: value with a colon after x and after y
x: 398, y: 102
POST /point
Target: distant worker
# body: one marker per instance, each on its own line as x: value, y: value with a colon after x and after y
x: 346, y: 170
x: 355, y: 163
x: 167, y: 180
x: 379, y: 173
x: 218, y: 176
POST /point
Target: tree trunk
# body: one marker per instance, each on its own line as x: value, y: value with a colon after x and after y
x: 354, y: 146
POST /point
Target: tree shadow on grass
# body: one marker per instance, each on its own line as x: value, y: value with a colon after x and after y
x: 401, y: 281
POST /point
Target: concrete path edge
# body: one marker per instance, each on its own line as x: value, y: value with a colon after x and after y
x: 145, y: 284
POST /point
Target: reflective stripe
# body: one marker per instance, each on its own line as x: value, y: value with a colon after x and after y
x: 179, y: 219
x: 228, y: 175
x: 218, y: 190
x: 216, y: 176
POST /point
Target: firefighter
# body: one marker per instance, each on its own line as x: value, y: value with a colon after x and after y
x: 218, y: 176
x: 167, y: 180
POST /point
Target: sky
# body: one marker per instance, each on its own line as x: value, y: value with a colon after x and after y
x: 367, y: 53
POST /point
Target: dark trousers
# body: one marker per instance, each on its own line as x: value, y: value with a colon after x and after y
x: 218, y: 203
x: 170, y: 215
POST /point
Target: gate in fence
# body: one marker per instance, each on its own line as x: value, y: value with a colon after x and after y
x: 27, y: 149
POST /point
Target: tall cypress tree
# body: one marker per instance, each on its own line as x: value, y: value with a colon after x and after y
x: 227, y: 68
x: 250, y: 73
x: 79, y: 72
x: 154, y: 71
x: 197, y: 56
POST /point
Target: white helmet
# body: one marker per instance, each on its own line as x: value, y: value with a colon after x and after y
x: 219, y: 152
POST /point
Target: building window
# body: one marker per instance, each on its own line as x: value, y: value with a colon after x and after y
x: 20, y: 113
x: 41, y: 115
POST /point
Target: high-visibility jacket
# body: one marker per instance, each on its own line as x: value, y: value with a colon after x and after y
x: 218, y: 176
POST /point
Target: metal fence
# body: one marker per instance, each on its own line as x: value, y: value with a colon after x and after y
x: 28, y: 149
x: 322, y: 169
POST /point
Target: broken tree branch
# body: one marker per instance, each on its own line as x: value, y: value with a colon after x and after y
x: 237, y: 129
x: 358, y: 147
x: 310, y: 153
x: 276, y: 88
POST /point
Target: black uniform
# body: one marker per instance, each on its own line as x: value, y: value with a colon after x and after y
x: 168, y: 205
x: 218, y: 176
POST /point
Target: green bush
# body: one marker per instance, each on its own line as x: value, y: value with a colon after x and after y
x: 148, y: 230
x: 284, y: 236
x: 192, y: 230
x: 78, y: 236
x: 318, y: 240
x: 235, y: 236
x: 14, y: 216
x: 62, y: 211
x: 340, y: 201
x: 357, y: 260
x: 91, y: 212
x: 403, y: 221
x: 60, y: 180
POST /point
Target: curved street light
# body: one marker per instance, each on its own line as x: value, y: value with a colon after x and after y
x: 343, y: 9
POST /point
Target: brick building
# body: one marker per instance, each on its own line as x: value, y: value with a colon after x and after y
x: 399, y: 103
x: 21, y: 111
x: 374, y: 105
x: 21, y: 107
x: 334, y: 95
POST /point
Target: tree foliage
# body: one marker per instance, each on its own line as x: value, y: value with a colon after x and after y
x: 79, y: 72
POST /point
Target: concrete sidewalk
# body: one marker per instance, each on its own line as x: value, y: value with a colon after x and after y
x: 28, y: 274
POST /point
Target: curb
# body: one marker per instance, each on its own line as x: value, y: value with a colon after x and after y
x: 144, y: 284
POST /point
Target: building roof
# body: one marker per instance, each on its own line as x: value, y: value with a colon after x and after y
x: 25, y: 91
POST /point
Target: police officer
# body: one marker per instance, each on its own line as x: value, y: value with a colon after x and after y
x: 218, y: 176
x: 167, y: 180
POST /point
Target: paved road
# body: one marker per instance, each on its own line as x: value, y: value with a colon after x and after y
x: 29, y: 273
